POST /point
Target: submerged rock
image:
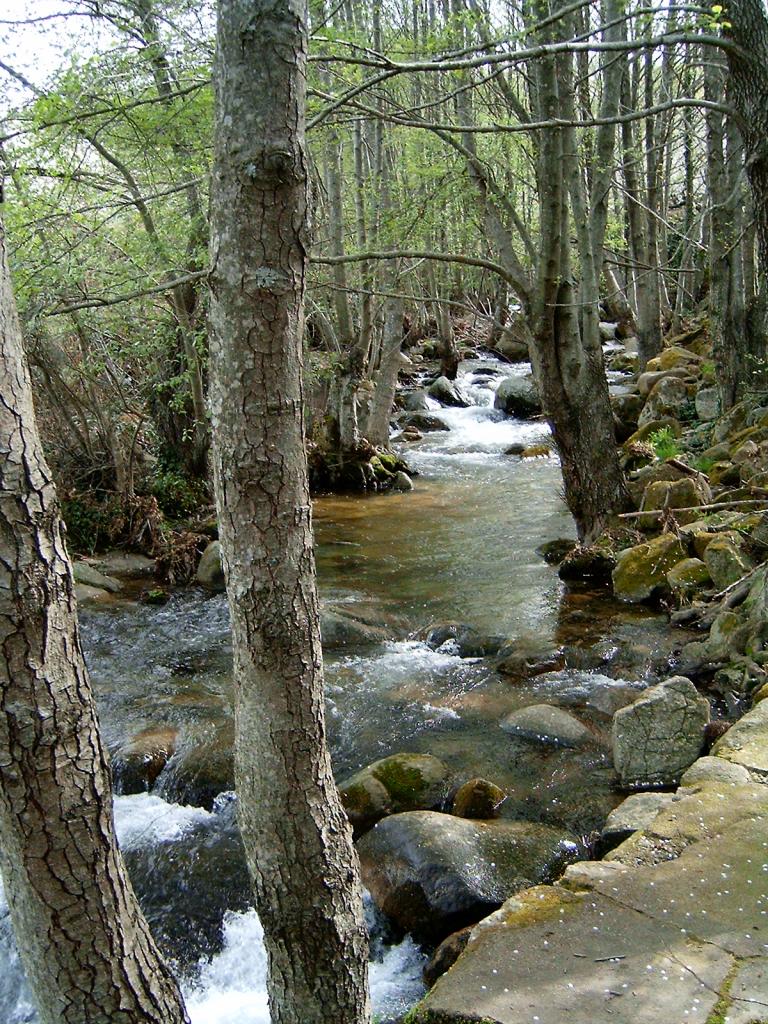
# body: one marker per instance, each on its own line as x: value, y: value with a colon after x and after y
x: 137, y: 764
x: 400, y: 782
x: 433, y: 873
x: 660, y: 735
x: 478, y: 798
x: 547, y: 724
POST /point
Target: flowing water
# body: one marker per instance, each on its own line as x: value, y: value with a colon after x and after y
x: 460, y: 547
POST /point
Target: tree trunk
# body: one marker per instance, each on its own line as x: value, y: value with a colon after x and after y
x: 748, y: 88
x: 297, y: 838
x: 82, y: 937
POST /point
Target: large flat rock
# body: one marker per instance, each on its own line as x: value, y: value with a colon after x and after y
x: 674, y: 925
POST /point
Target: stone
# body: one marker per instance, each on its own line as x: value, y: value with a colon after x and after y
x: 416, y: 401
x: 688, y: 576
x: 402, y: 482
x: 88, y: 576
x: 686, y: 493
x: 708, y: 403
x: 638, y: 811
x: 434, y: 873
x: 86, y: 595
x: 515, y: 449
x: 647, y: 381
x: 746, y: 743
x: 478, y: 798
x: 644, y: 432
x: 715, y: 769
x: 590, y: 563
x: 726, y: 562
x: 126, y: 565
x: 660, y: 735
x: 137, y: 764
x: 400, y: 782
x: 446, y: 392
x: 547, y: 724
x: 446, y: 955
x: 642, y: 570
x: 210, y: 571
x: 554, y: 551
x: 537, y: 451
x: 607, y: 331
x: 338, y: 630
x: 198, y: 773
x: 518, y: 396
x: 665, y: 399
x: 425, y: 422
x: 676, y: 356
x: 658, y: 928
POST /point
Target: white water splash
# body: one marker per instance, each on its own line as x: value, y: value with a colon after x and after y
x: 232, y: 986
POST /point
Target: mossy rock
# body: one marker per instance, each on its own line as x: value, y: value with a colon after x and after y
x: 725, y: 561
x: 676, y: 356
x: 688, y: 493
x: 644, y: 432
x: 641, y: 571
x: 400, y: 782
x: 688, y: 576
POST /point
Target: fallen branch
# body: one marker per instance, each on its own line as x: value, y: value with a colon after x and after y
x: 712, y: 507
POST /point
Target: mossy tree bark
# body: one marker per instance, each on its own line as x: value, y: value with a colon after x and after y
x: 297, y: 838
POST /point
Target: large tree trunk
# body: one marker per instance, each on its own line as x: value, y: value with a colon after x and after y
x: 297, y: 838
x: 748, y: 90
x: 82, y: 937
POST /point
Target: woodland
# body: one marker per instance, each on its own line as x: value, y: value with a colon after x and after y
x: 257, y: 251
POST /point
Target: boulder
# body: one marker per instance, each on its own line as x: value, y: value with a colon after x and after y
x: 726, y: 562
x: 198, y: 773
x: 447, y: 393
x: 647, y: 381
x: 746, y: 743
x: 478, y: 798
x: 400, y: 782
x: 607, y: 331
x: 423, y: 421
x: 688, y: 493
x: 518, y: 396
x: 434, y: 873
x: 416, y: 401
x: 660, y: 735
x: 640, y: 571
x: 88, y: 576
x: 547, y: 724
x: 708, y: 404
x: 590, y: 563
x: 554, y: 551
x: 715, y: 769
x: 665, y: 399
x: 339, y: 630
x: 446, y: 955
x: 126, y: 565
x: 687, y: 577
x: 402, y: 482
x: 636, y: 812
x: 210, y: 572
x: 137, y: 764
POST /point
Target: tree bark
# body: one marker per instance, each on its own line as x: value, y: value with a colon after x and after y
x: 297, y: 838
x: 82, y: 937
x: 748, y: 89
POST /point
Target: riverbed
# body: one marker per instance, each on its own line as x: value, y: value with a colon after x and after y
x: 460, y: 547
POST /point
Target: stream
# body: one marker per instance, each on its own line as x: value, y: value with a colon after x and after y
x: 459, y: 548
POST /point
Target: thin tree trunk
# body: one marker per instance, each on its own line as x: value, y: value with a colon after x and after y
x: 82, y: 937
x: 297, y: 838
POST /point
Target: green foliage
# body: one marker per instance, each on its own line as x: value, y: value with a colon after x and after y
x: 90, y: 521
x: 664, y: 443
x: 708, y: 371
x: 178, y: 496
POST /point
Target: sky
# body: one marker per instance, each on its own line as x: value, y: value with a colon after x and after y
x: 39, y: 48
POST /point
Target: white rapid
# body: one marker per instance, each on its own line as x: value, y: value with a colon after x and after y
x: 231, y: 986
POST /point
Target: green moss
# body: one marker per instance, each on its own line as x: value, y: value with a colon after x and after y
x: 721, y: 1007
x: 358, y: 798
x: 402, y: 782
